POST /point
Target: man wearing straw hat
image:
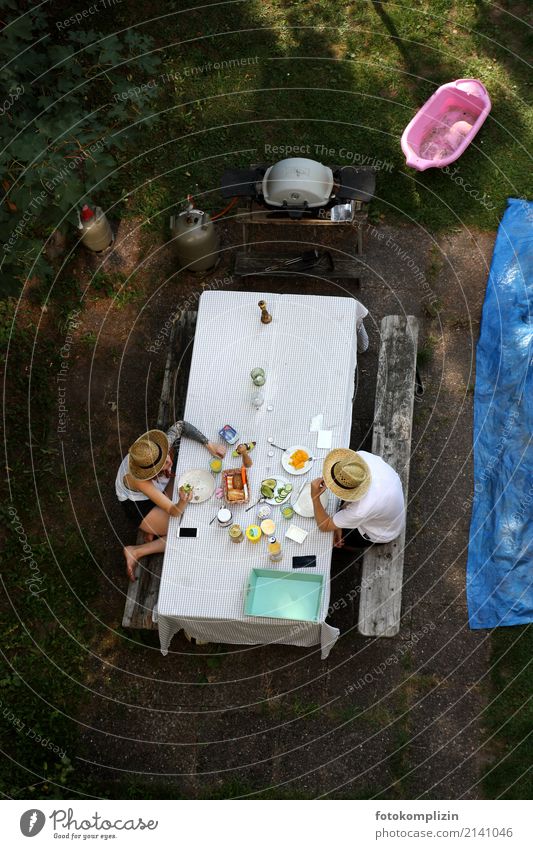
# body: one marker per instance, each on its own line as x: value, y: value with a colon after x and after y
x: 374, y: 506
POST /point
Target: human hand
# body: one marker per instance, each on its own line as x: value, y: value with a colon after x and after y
x: 185, y: 495
x: 217, y: 449
x: 338, y: 539
x: 317, y: 487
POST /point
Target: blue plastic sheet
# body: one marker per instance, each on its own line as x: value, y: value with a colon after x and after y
x: 500, y: 554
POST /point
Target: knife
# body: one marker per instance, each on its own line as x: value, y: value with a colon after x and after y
x: 244, y: 482
x: 301, y: 490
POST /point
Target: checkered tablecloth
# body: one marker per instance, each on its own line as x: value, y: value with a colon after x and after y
x: 309, y: 356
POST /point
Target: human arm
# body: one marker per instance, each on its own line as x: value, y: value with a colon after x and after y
x: 324, y: 521
x: 172, y: 508
x: 183, y: 428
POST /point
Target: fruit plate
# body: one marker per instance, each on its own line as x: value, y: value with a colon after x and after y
x: 280, y: 483
x: 284, y: 595
x: 287, y: 455
x: 202, y: 482
x: 304, y: 504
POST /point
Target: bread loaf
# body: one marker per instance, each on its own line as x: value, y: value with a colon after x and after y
x: 237, y: 482
x: 235, y: 495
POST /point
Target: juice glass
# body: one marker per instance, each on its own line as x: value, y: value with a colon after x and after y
x: 287, y: 511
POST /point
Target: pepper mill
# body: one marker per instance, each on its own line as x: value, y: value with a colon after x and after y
x: 266, y: 318
x: 242, y: 450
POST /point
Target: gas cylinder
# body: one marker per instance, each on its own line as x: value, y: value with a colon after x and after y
x: 96, y: 232
x: 197, y: 242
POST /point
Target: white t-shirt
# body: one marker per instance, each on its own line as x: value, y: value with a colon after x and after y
x: 124, y: 493
x: 380, y: 513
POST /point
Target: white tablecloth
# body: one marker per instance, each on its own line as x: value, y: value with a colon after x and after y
x: 309, y: 356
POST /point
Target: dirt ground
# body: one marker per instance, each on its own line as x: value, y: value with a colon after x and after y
x: 238, y: 720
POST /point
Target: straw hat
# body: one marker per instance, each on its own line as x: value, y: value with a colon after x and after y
x: 346, y: 474
x: 147, y: 455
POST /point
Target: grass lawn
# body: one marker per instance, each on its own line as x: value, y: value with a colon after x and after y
x: 341, y: 80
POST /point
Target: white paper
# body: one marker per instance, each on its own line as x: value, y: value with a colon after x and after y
x: 295, y: 533
x: 324, y: 438
x: 316, y: 423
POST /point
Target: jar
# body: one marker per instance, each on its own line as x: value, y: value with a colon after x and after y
x: 236, y: 534
x: 268, y: 527
x: 253, y: 533
x: 258, y: 400
x: 274, y: 549
x: 264, y: 512
x: 258, y: 376
x: 224, y: 517
x: 287, y: 511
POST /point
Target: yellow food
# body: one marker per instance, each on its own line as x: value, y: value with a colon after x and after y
x: 298, y: 458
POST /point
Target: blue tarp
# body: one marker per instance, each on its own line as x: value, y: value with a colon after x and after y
x: 500, y: 554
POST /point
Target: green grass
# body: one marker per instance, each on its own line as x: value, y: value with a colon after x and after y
x: 343, y: 81
x: 510, y: 716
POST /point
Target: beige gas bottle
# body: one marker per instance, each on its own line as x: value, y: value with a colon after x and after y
x: 196, y: 240
x: 96, y: 234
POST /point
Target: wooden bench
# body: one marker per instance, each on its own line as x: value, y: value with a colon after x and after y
x: 143, y: 593
x: 382, y: 572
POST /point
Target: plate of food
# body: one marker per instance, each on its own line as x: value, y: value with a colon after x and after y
x: 297, y: 460
x: 276, y: 490
x: 200, y: 481
x: 304, y: 504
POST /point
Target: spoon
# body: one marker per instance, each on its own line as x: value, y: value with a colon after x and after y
x: 255, y: 505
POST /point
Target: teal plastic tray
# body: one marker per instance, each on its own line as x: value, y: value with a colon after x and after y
x: 284, y: 595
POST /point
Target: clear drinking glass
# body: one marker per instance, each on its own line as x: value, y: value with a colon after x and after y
x: 287, y: 511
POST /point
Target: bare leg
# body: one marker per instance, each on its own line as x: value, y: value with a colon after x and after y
x: 155, y: 523
x: 133, y: 554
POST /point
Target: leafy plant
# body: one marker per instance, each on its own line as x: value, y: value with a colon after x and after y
x: 59, y: 135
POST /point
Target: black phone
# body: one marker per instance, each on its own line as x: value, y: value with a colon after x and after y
x: 187, y: 532
x: 307, y: 561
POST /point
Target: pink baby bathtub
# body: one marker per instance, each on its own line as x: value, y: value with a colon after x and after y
x: 446, y: 124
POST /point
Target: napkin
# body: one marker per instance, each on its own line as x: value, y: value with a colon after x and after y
x: 296, y: 533
x: 316, y: 423
x: 324, y: 438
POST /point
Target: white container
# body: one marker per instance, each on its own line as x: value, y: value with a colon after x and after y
x: 96, y: 232
x: 224, y: 517
x: 264, y: 512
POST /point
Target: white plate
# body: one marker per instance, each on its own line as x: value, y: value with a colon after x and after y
x: 304, y: 504
x: 202, y: 482
x: 286, y: 456
x: 279, y: 482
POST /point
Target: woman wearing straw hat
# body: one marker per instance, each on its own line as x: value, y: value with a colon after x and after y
x: 374, y: 505
x: 144, y: 486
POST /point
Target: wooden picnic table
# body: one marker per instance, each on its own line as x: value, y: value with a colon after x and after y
x: 309, y: 353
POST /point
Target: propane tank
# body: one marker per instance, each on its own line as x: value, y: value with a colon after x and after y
x: 197, y: 242
x: 96, y: 232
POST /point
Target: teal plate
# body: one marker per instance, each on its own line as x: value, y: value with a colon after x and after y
x: 284, y: 595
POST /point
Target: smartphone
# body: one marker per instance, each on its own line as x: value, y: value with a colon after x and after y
x: 187, y: 532
x: 228, y: 434
x: 307, y: 561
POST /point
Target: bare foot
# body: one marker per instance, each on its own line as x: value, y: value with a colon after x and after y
x: 131, y: 562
